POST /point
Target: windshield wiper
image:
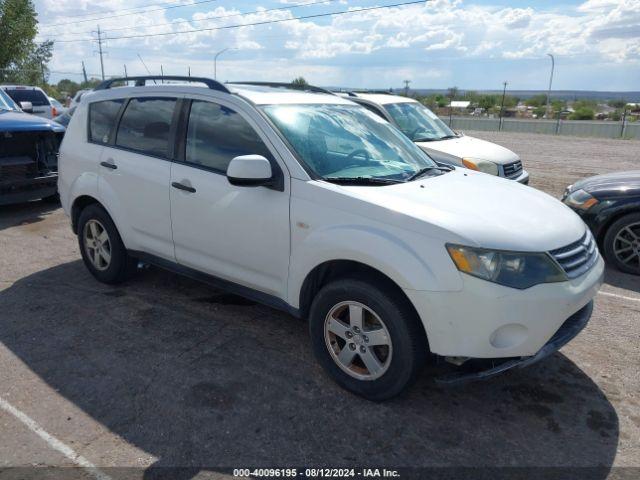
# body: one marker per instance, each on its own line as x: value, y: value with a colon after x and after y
x: 447, y: 137
x: 362, y: 180
x: 426, y: 139
x: 425, y: 170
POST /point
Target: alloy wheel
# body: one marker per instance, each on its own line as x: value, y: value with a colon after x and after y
x: 358, y: 340
x: 626, y: 246
x: 97, y: 244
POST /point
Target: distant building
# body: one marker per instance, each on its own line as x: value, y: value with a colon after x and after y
x: 460, y: 104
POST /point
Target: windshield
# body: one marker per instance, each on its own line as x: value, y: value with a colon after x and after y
x: 347, y: 141
x: 36, y: 97
x: 6, y: 103
x: 418, y: 122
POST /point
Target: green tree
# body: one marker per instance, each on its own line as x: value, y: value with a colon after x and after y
x: 617, y: 103
x: 22, y: 60
x: 536, y: 100
x: 452, y: 93
x: 299, y: 82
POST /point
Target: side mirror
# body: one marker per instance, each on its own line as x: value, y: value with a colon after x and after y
x: 27, y: 107
x: 249, y: 171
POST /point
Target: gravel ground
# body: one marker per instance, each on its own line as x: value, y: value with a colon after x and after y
x: 165, y: 372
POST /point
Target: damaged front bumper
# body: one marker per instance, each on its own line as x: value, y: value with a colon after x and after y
x: 480, y: 369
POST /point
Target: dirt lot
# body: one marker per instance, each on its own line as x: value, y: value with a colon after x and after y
x: 165, y: 372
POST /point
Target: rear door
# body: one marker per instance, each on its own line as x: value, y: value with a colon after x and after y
x: 135, y: 170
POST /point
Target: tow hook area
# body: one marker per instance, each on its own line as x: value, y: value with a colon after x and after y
x: 457, y: 361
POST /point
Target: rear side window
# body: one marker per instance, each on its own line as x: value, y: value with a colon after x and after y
x: 145, y: 125
x: 216, y: 134
x: 102, y: 119
x: 36, y: 97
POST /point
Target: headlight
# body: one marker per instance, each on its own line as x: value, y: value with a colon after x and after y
x: 481, y: 165
x: 511, y: 269
x: 580, y: 200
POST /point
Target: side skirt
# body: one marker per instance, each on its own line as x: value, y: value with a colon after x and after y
x: 231, y: 287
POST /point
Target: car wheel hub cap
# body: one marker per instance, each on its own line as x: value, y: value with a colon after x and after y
x: 626, y: 245
x: 97, y: 244
x: 358, y: 340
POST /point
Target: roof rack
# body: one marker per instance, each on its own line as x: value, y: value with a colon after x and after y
x: 293, y: 86
x: 141, y: 81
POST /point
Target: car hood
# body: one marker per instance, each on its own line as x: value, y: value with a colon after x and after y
x: 470, y: 147
x: 11, y: 121
x: 480, y: 210
x: 616, y: 183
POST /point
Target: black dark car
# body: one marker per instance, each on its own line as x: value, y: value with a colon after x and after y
x: 610, y: 205
x: 28, y: 154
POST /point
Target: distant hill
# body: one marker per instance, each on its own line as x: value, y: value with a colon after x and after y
x: 633, y: 97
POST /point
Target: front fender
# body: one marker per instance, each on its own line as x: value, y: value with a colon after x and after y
x: 410, y: 260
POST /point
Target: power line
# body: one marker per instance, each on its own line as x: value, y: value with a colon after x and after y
x: 126, y: 14
x: 288, y: 7
x: 265, y: 22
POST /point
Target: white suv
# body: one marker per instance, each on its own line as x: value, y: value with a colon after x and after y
x: 310, y: 203
x: 34, y: 97
x: 436, y: 138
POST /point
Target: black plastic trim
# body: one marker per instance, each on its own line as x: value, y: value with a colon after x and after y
x: 231, y: 287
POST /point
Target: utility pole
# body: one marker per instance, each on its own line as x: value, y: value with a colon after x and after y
x: 99, y: 32
x: 44, y: 79
x: 504, y: 91
x: 84, y: 73
x: 125, y: 71
x: 550, y: 82
x: 406, y: 87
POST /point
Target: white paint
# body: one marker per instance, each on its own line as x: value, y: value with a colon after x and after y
x: 623, y: 297
x: 52, y: 441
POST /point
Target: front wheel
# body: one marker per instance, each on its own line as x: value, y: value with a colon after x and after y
x: 369, y: 340
x: 622, y: 243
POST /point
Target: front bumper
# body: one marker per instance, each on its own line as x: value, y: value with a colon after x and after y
x: 522, y: 178
x: 487, y: 369
x: 487, y: 321
x: 27, y: 189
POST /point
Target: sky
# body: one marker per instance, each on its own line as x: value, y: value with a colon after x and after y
x: 437, y: 44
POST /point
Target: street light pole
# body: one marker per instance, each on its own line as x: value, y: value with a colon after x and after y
x: 504, y: 92
x: 215, y: 62
x: 550, y: 82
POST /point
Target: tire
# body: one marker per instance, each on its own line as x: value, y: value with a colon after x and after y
x: 622, y: 244
x: 94, y: 221
x: 400, y: 362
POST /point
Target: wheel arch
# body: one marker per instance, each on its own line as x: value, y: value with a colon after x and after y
x: 330, y: 270
x: 79, y: 204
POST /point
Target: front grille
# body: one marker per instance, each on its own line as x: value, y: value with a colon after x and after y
x: 512, y: 170
x: 577, y: 257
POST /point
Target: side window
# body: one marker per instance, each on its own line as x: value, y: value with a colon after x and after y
x: 216, y: 134
x: 373, y: 109
x: 145, y: 125
x: 102, y: 118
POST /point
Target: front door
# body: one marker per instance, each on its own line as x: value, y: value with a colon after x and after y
x: 240, y: 234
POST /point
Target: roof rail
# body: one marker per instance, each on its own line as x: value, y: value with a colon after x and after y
x: 293, y: 86
x: 141, y: 81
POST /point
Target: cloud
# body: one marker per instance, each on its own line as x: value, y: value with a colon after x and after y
x: 400, y: 39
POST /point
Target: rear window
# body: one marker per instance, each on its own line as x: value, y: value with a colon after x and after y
x: 102, y: 118
x: 36, y: 97
x: 145, y: 125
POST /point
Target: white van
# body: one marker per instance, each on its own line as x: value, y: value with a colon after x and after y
x: 435, y: 137
x: 308, y: 202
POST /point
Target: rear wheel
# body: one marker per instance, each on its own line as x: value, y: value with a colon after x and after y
x: 622, y: 243
x: 369, y: 340
x: 102, y: 249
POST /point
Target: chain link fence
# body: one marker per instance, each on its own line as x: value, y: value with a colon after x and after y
x: 581, y: 128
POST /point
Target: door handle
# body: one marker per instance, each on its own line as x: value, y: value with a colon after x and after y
x: 180, y: 186
x: 112, y: 166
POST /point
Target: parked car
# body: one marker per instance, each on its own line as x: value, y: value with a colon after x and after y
x: 610, y: 205
x: 59, y: 108
x: 78, y: 97
x: 65, y: 117
x: 41, y: 105
x: 306, y: 202
x: 28, y: 154
x: 436, y: 138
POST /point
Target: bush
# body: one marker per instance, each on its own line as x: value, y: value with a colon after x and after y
x: 582, y: 113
